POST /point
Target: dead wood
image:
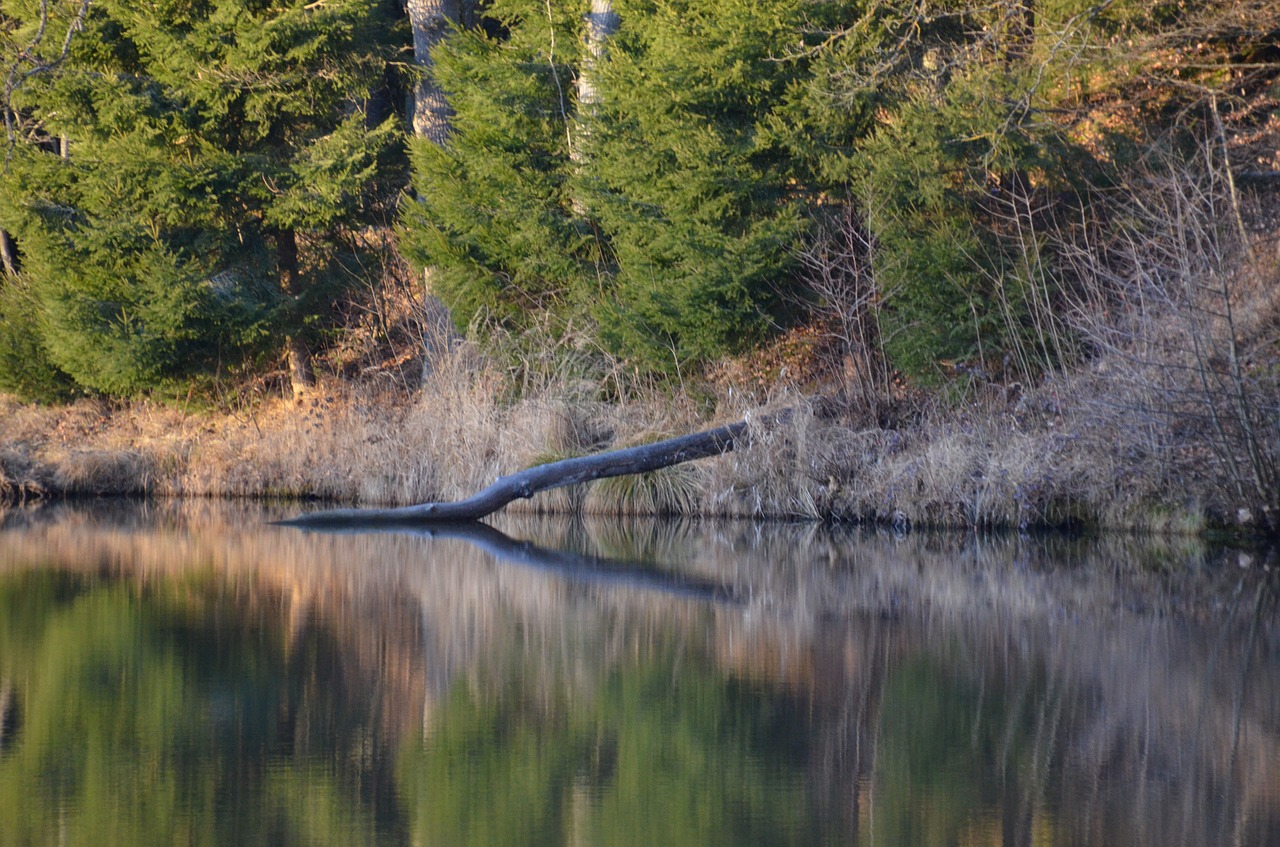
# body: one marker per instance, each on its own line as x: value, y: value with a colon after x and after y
x: 526, y: 483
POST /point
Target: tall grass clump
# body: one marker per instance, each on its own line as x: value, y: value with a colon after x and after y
x: 674, y: 490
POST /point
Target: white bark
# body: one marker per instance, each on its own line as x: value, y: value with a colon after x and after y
x: 429, y: 111
x: 601, y: 25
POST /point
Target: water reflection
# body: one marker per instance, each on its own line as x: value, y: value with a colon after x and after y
x: 179, y: 711
x: 185, y: 673
x: 580, y: 567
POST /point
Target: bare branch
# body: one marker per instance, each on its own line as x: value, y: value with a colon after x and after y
x: 28, y: 62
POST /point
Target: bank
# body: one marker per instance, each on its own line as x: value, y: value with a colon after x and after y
x: 1071, y: 452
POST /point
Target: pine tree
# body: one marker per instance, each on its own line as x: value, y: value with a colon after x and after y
x: 661, y: 208
x: 220, y: 159
x: 495, y: 218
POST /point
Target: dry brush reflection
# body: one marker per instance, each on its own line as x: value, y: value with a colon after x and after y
x: 924, y: 689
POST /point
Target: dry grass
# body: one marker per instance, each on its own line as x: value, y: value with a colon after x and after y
x: 1044, y: 457
x: 346, y: 441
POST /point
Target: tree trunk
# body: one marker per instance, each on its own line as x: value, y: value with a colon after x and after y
x: 8, y: 254
x: 1023, y: 36
x: 301, y: 376
x: 600, y: 24
x: 526, y: 483
x: 429, y: 111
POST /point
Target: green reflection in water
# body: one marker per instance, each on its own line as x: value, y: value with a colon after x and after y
x: 171, y: 713
x: 954, y: 758
x: 664, y: 751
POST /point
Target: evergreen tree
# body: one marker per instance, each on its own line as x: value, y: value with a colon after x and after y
x: 686, y: 179
x: 664, y: 207
x: 663, y: 211
x: 959, y: 190
x: 221, y: 157
x: 495, y: 220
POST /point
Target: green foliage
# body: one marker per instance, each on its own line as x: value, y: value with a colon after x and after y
x: 659, y: 221
x: 25, y: 367
x: 494, y: 219
x: 954, y: 190
x: 685, y: 179
x: 200, y: 136
x: 665, y: 215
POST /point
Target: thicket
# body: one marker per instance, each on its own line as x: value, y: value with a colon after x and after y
x: 695, y: 201
x: 185, y: 183
x: 188, y: 184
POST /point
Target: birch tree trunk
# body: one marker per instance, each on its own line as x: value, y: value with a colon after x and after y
x: 600, y: 25
x: 429, y: 112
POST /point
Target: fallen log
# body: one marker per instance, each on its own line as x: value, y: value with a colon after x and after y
x: 526, y: 483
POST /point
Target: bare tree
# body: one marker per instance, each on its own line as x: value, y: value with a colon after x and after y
x: 301, y: 375
x: 837, y: 269
x: 1175, y: 309
x: 24, y: 61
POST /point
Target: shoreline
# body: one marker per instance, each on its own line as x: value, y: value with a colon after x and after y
x: 1035, y: 464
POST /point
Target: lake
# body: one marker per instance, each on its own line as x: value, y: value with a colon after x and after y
x: 185, y: 673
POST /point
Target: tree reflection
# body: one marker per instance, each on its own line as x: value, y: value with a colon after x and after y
x: 173, y: 712
x: 665, y: 751
x: 956, y: 758
x: 230, y: 685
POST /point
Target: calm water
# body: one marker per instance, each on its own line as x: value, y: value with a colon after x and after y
x: 185, y: 673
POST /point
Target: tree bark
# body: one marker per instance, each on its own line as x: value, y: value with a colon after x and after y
x: 601, y: 23
x: 301, y: 377
x: 8, y: 254
x: 429, y: 111
x: 1023, y: 36
x: 526, y: 483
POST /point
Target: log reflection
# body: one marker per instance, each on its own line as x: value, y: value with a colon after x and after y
x: 926, y: 690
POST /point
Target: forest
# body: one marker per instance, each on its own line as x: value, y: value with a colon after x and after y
x: 1015, y: 262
